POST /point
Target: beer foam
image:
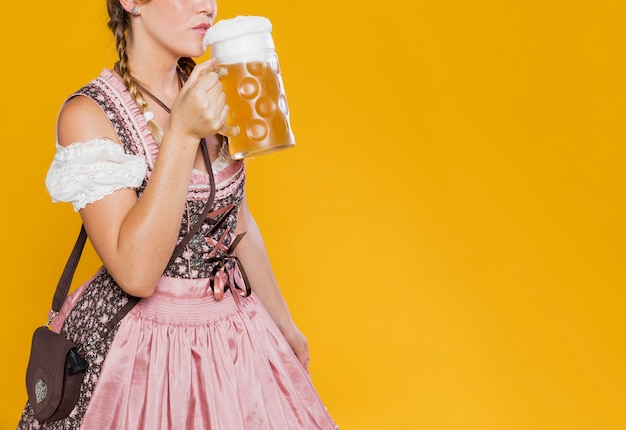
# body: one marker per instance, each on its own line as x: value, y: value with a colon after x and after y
x: 240, y: 39
x: 235, y: 27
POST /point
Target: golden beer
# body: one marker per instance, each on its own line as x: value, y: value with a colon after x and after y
x: 246, y: 60
x: 258, y: 111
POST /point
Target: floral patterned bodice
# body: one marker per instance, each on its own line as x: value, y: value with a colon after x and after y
x: 199, y: 258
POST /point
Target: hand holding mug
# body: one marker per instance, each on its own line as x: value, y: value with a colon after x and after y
x: 200, y: 109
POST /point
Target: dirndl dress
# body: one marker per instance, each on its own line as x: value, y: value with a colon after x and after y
x: 182, y: 359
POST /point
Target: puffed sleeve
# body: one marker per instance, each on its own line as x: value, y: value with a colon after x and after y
x: 85, y: 172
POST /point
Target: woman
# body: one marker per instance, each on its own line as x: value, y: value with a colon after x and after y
x: 198, y: 350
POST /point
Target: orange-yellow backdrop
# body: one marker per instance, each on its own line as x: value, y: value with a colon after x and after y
x: 448, y: 230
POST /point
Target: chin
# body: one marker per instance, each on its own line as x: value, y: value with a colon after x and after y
x: 190, y: 50
x: 197, y: 52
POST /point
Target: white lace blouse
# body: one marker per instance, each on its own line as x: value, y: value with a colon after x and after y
x: 85, y: 172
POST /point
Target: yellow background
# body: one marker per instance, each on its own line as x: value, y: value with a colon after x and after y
x: 448, y: 230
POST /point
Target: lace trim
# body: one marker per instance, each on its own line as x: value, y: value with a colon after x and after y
x: 77, y: 149
x: 85, y: 172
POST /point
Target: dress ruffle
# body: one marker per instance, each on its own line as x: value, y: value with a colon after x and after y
x: 85, y: 172
x: 152, y: 149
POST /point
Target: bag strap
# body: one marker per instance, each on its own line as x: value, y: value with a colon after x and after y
x: 63, y: 287
x: 65, y: 281
x: 191, y: 233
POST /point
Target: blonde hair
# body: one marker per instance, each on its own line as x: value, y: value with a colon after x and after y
x: 119, y: 24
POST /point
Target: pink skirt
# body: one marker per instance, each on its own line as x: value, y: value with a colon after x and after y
x: 182, y: 360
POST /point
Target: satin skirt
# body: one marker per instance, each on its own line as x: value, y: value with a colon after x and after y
x: 183, y: 360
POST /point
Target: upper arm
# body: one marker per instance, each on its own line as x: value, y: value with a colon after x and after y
x: 82, y: 120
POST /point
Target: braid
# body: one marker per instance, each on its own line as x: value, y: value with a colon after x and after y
x: 187, y: 65
x: 119, y: 24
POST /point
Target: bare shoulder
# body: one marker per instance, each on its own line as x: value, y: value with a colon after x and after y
x: 82, y: 120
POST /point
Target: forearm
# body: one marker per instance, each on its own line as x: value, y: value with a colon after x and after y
x: 137, y: 251
x: 153, y: 225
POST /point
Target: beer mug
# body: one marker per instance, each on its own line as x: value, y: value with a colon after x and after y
x: 246, y: 60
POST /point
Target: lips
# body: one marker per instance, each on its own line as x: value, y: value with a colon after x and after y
x: 202, y: 28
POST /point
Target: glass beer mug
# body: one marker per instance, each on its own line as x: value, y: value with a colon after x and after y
x: 246, y: 60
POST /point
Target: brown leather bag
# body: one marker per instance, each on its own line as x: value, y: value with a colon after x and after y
x: 54, y: 375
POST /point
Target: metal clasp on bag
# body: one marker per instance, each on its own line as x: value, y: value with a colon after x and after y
x: 53, y: 314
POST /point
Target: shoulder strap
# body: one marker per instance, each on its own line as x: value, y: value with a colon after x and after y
x: 191, y: 233
x: 65, y: 281
x: 63, y: 287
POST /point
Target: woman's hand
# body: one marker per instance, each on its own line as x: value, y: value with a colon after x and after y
x: 200, y: 109
x: 298, y: 344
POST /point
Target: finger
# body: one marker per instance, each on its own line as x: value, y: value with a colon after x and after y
x: 200, y: 70
x: 214, y: 99
x: 208, y: 82
x: 224, y: 115
x: 220, y: 101
x: 304, y: 360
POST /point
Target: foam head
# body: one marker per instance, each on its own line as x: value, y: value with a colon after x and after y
x: 243, y: 38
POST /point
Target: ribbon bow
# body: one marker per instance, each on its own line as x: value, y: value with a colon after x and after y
x: 229, y: 273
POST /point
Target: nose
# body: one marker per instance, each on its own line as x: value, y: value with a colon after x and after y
x: 208, y: 7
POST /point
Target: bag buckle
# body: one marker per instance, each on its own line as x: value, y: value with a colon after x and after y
x: 53, y: 314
